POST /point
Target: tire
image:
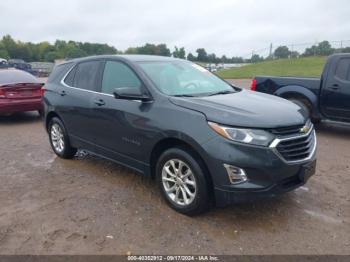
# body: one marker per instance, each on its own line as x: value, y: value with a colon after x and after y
x: 59, y: 139
x: 190, y: 205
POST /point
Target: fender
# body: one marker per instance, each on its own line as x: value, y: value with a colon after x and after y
x: 300, y: 91
x: 180, y: 136
x: 169, y: 134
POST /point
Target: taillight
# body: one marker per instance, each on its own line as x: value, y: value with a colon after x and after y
x: 253, y: 85
x: 2, y: 93
x: 42, y: 91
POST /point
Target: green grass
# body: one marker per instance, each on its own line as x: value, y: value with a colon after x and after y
x: 306, y: 67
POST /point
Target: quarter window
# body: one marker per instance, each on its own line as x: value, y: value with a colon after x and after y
x: 117, y: 75
x: 58, y: 73
x: 343, y: 69
x: 69, y: 80
x: 86, y: 75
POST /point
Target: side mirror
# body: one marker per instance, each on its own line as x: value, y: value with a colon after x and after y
x: 130, y: 93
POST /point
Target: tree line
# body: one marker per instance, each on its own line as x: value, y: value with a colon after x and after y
x: 46, y: 52
x: 60, y: 49
x: 323, y: 48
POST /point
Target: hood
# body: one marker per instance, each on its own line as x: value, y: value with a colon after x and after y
x: 246, y: 109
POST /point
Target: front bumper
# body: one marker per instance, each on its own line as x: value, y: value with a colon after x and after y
x: 225, y: 197
x: 268, y: 174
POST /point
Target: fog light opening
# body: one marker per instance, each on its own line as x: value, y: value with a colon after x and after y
x: 235, y: 174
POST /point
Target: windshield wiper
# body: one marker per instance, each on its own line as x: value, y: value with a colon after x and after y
x: 207, y: 94
x: 221, y: 93
x: 184, y: 95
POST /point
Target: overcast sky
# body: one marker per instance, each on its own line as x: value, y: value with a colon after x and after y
x: 231, y: 27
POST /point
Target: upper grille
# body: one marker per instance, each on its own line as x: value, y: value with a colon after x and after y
x: 285, y: 131
x: 290, y: 130
x: 297, y: 148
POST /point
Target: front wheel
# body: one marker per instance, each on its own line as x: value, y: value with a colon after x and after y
x: 59, y: 139
x: 182, y: 182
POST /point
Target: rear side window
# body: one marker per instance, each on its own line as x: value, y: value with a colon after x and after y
x: 117, y: 75
x: 86, y: 75
x: 343, y: 69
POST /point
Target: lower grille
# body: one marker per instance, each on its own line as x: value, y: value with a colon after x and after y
x: 290, y: 182
x: 297, y: 148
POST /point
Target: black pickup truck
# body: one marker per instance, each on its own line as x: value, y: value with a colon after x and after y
x: 324, y: 98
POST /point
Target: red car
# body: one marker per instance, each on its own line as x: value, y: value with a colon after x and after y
x: 19, y: 92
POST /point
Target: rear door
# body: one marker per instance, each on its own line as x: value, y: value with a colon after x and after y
x: 335, y: 98
x: 77, y: 94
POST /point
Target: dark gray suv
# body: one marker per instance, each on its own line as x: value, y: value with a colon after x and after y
x: 203, y: 140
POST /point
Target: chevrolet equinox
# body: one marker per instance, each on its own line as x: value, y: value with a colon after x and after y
x: 203, y: 140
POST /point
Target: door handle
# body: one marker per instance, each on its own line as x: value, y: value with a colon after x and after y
x: 99, y: 102
x: 335, y: 87
x: 63, y: 93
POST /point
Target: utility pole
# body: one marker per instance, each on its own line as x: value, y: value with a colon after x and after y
x: 270, y: 54
x: 315, y: 48
x: 341, y: 45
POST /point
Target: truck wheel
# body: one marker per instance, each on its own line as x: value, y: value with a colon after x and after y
x: 182, y: 182
x: 59, y: 139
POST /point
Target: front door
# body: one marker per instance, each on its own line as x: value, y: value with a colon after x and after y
x: 335, y: 96
x: 122, y: 131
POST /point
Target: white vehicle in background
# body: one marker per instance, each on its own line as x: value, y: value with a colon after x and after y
x: 3, y: 63
x: 211, y: 67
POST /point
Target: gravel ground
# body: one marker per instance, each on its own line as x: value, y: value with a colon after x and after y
x: 92, y: 206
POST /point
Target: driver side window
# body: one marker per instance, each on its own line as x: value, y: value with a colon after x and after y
x: 117, y: 75
x: 343, y: 69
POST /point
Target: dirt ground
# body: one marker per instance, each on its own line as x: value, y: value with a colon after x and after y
x: 92, y: 206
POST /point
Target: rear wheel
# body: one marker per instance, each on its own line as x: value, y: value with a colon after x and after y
x: 305, y: 105
x: 182, y: 182
x: 59, y: 139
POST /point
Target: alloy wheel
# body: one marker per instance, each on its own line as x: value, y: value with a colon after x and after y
x: 179, y: 182
x: 57, y: 138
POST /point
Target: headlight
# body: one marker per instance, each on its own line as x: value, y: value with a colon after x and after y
x: 248, y: 136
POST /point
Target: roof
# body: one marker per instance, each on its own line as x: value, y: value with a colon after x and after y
x: 132, y: 58
x: 141, y: 58
x: 339, y: 54
x: 16, y: 61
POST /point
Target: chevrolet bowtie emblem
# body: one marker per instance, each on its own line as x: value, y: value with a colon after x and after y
x: 304, y: 129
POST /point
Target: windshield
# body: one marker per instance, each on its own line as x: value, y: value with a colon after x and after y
x: 181, y: 78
